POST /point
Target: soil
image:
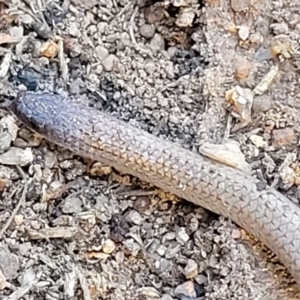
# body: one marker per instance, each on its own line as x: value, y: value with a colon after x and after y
x: 190, y: 71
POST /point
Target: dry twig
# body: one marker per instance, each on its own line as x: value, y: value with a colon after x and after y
x: 22, y: 199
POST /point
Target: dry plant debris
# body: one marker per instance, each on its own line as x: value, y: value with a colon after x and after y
x: 75, y: 229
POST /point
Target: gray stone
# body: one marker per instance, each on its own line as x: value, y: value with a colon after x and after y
x: 157, y: 43
x: 72, y: 205
x: 101, y: 52
x: 147, y: 31
x: 5, y: 140
x: 109, y: 62
x: 134, y: 217
x: 9, y: 264
x: 181, y: 236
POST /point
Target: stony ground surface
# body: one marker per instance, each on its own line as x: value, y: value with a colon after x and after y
x: 189, y: 71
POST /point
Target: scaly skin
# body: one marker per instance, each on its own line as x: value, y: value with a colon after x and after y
x: 267, y: 214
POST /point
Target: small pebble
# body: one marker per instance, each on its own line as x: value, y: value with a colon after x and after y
x: 72, y: 205
x: 109, y: 62
x: 141, y: 204
x: 99, y: 70
x: 147, y: 31
x: 191, y: 269
x: 16, y: 156
x: 9, y: 264
x: 161, y: 250
x: 236, y: 234
x: 201, y: 279
x: 170, y: 71
x: 262, y: 103
x: 19, y: 219
x: 240, y: 5
x: 73, y: 30
x: 283, y: 137
x: 3, y: 283
x: 157, y: 43
x: 17, y: 31
x: 181, y: 236
x: 149, y: 67
x: 244, y: 32
x: 101, y: 52
x: 287, y: 176
x: 172, y: 51
x: 108, y: 246
x: 186, y: 289
x: 134, y: 217
x: 185, y: 18
x: 5, y: 141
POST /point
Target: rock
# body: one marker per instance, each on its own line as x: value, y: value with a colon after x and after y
x: 153, y: 14
x: 111, y: 38
x: 108, y: 246
x: 181, y: 236
x: 72, y: 47
x: 287, y: 176
x: 49, y: 49
x: 147, y: 31
x: 262, y: 103
x: 101, y: 52
x: 240, y: 5
x: 109, y: 62
x: 134, y: 217
x: 161, y: 250
x: 5, y: 140
x: 149, y: 292
x: 18, y: 220
x: 157, y: 43
x: 185, y: 18
x: 16, y: 156
x: 8, y: 123
x: 228, y: 154
x: 242, y: 68
x: 141, y: 204
x: 240, y: 104
x: 191, y: 269
x: 170, y: 71
x: 230, y: 27
x: 283, y: 137
x: 72, y: 205
x: 131, y: 247
x: 99, y: 70
x: 201, y: 279
x: 287, y: 171
x: 236, y: 234
x: 244, y: 32
x: 258, y: 141
x: 186, y: 289
x: 172, y: 51
x: 17, y: 31
x: 9, y: 264
x: 149, y: 66
x: 3, y: 283
x: 75, y: 86
x: 73, y: 30
x: 255, y: 38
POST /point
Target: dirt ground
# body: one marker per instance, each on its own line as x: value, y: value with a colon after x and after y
x: 189, y: 71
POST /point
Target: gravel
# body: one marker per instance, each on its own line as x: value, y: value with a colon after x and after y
x: 72, y: 229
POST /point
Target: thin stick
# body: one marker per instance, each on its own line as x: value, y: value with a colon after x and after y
x: 22, y: 199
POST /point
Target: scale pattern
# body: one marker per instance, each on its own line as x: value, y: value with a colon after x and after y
x: 266, y: 214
